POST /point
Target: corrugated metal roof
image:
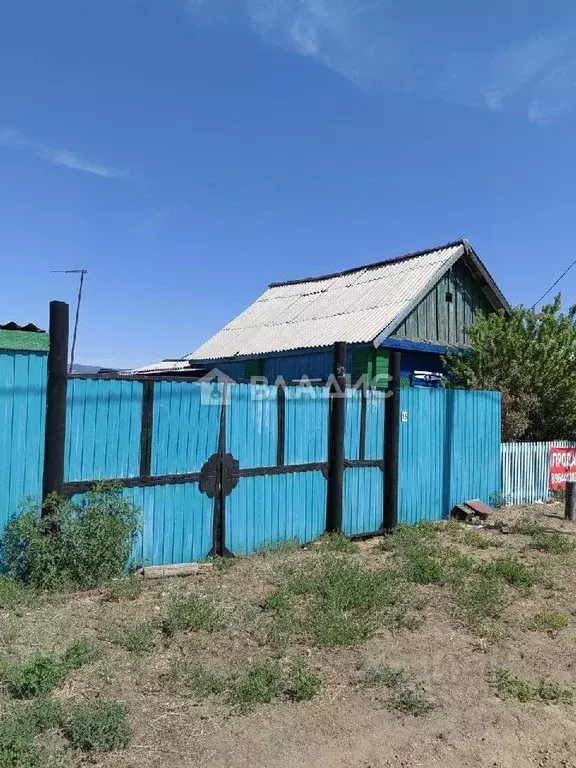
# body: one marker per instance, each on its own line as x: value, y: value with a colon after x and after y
x: 166, y: 365
x: 13, y: 326
x: 354, y: 306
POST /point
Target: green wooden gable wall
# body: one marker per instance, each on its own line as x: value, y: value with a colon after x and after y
x: 436, y: 319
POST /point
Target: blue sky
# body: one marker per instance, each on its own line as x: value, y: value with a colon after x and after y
x: 189, y: 153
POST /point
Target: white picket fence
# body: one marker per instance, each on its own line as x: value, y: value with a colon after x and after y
x: 525, y: 470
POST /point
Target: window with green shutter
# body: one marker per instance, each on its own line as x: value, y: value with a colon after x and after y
x: 372, y: 363
x: 254, y: 368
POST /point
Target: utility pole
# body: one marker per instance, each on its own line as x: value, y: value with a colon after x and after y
x: 80, y: 272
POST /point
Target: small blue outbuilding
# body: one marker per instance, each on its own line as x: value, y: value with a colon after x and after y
x: 421, y: 303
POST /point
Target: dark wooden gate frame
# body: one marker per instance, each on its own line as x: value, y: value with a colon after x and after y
x: 221, y: 472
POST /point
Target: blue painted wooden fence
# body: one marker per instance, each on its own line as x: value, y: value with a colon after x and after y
x: 449, y: 452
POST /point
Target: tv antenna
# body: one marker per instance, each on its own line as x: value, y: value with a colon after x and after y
x: 82, y: 273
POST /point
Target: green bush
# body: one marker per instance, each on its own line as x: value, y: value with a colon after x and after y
x: 304, y: 683
x: 404, y: 694
x: 424, y: 537
x: 43, y: 672
x: 337, y: 542
x: 42, y: 715
x: 101, y: 726
x: 139, y: 638
x: 36, y: 717
x: 75, y: 545
x: 550, y: 620
x: 527, y: 526
x: 200, y: 681
x: 18, y: 730
x: 422, y: 568
x: 330, y: 626
x: 419, y: 547
x: 128, y: 588
x: 478, y: 598
x: 555, y: 543
x: 287, y: 547
x: 14, y: 595
x: 280, y: 602
x: 79, y: 655
x: 23, y: 753
x: 344, y: 602
x: 509, y: 686
x: 480, y: 539
x: 40, y: 674
x: 512, y: 571
x: 190, y: 612
x: 261, y: 683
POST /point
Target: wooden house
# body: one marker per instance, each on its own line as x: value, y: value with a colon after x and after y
x: 421, y: 303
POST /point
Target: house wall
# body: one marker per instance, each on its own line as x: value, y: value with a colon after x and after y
x: 317, y: 364
x: 313, y: 363
x: 436, y: 319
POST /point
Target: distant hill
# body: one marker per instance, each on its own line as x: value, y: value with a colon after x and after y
x: 92, y: 369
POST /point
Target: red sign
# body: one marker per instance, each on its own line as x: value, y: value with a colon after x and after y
x: 562, y: 467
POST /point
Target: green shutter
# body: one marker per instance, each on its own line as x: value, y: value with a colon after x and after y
x: 361, y: 363
x: 370, y: 362
x: 254, y: 368
x: 381, y: 365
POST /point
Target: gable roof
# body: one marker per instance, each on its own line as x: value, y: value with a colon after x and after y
x: 360, y: 305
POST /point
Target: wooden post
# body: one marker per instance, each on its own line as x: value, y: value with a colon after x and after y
x: 336, y: 439
x: 146, y: 428
x: 56, y: 387
x: 281, y: 425
x: 392, y: 443
x: 570, y: 502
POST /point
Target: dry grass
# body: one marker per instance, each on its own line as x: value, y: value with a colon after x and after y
x: 304, y: 657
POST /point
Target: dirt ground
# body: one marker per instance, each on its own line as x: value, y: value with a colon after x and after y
x: 451, y: 658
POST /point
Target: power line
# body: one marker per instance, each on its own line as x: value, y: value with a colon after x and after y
x: 82, y: 273
x: 553, y: 284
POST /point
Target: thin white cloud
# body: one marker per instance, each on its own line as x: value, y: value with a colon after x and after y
x: 555, y: 93
x: 530, y: 67
x: 63, y: 157
x: 381, y: 44
x: 340, y: 34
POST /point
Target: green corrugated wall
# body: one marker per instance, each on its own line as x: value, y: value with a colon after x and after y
x: 435, y: 319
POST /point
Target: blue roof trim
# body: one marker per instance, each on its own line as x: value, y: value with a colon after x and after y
x: 405, y: 344
x: 416, y: 346
x: 285, y: 353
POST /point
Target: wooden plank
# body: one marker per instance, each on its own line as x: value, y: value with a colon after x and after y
x: 177, y: 569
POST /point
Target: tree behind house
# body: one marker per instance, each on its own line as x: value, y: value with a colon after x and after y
x: 530, y: 357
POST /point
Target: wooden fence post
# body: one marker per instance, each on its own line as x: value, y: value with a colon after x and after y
x: 56, y: 386
x: 570, y: 501
x: 392, y: 443
x: 336, y: 439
